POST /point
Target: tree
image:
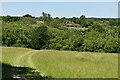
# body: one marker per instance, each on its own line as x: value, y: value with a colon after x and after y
x: 94, y: 41
x: 46, y: 17
x: 55, y: 23
x: 27, y: 15
x: 112, y: 45
x: 10, y: 19
x: 43, y: 13
x: 49, y: 15
x: 96, y: 27
x: 82, y: 21
x: 39, y: 37
x: 28, y: 20
x: 114, y: 22
x: 77, y: 44
x: 82, y: 17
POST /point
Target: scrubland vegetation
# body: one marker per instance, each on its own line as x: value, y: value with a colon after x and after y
x: 92, y: 34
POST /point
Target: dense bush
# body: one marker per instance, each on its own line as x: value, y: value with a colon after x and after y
x: 27, y: 20
x: 114, y: 23
x: 25, y: 36
x: 77, y: 43
x: 96, y: 27
x: 54, y: 34
x: 10, y: 19
x: 112, y: 45
x: 16, y: 36
x: 39, y: 37
x: 55, y: 23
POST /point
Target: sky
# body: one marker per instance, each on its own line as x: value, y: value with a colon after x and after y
x: 60, y: 0
x: 61, y: 9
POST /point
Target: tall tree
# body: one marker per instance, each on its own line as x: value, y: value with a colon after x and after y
x: 39, y: 37
x: 49, y: 15
x: 82, y: 21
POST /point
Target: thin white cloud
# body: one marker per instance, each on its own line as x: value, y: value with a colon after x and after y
x: 60, y: 0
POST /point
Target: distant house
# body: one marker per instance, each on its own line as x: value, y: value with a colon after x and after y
x: 40, y: 22
x: 72, y: 24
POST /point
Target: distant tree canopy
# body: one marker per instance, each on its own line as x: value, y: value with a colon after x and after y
x: 93, y: 34
x: 27, y: 15
x: 10, y: 19
x: 46, y: 17
x: 114, y: 22
x: 97, y: 27
x: 82, y: 17
x: 55, y: 23
x: 46, y: 14
x: 27, y: 20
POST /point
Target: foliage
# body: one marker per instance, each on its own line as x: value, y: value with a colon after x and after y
x: 77, y: 43
x: 112, y: 45
x: 27, y: 20
x: 10, y: 19
x: 39, y: 37
x: 114, y: 22
x: 97, y: 27
x: 55, y: 23
x: 100, y: 36
x: 27, y: 15
x: 46, y: 17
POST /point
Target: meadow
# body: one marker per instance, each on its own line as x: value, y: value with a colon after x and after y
x: 62, y: 64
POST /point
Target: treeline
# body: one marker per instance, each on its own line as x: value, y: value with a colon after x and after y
x: 82, y: 20
x: 99, y: 37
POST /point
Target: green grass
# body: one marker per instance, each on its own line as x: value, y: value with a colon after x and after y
x: 78, y: 28
x: 64, y: 64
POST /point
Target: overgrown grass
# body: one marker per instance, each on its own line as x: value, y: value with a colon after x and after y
x: 11, y: 54
x: 64, y: 64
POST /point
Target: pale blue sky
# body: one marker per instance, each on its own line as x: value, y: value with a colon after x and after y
x: 60, y: 0
x: 61, y: 9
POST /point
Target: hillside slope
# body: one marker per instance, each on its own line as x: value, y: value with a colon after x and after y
x: 64, y: 64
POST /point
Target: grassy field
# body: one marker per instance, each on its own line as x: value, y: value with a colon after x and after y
x: 63, y: 64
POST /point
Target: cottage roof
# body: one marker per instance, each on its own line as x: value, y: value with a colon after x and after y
x: 39, y: 21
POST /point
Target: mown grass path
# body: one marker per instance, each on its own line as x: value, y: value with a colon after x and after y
x: 64, y: 64
x: 26, y: 59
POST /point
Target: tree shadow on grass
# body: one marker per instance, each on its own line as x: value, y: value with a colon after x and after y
x: 20, y: 73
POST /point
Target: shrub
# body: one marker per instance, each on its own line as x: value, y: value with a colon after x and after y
x: 112, y: 45
x: 39, y: 37
x: 77, y: 43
